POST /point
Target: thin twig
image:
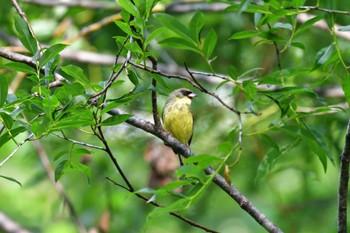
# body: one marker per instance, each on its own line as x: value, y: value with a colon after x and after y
x: 19, y: 145
x: 155, y: 113
x: 79, y: 143
x: 171, y: 213
x: 343, y: 184
x: 211, y: 93
x: 100, y: 135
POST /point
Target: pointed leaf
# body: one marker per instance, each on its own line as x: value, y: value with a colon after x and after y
x: 209, y: 43
x: 3, y: 90
x: 129, y: 7
x: 176, y: 26
x: 196, y: 25
x: 21, y: 67
x: 25, y: 36
x: 50, y: 53
x: 244, y: 35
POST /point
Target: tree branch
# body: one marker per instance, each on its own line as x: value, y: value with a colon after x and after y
x: 231, y: 190
x: 343, y: 184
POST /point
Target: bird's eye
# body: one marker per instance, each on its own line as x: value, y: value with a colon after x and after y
x: 186, y: 93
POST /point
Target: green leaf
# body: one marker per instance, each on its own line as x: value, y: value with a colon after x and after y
x: 77, y: 73
x: 180, y: 43
x: 252, y: 70
x: 115, y: 120
x: 191, y: 171
x: 283, y: 25
x: 60, y: 169
x: 172, y: 24
x: 307, y: 25
x: 133, y: 77
x: 50, y: 53
x: 267, y: 163
x: 244, y: 35
x: 25, y: 36
x: 50, y: 104
x: 80, y: 152
x: 3, y: 90
x: 83, y: 168
x: 76, y: 118
x: 10, y: 135
x: 126, y: 28
x: 325, y: 54
x: 11, y: 179
x: 61, y: 154
x: 244, y: 4
x: 6, y: 119
x: 346, y: 87
x: 21, y: 67
x: 196, y: 25
x: 153, y: 35
x: 250, y: 89
x: 129, y: 7
x: 203, y: 160
x: 209, y: 44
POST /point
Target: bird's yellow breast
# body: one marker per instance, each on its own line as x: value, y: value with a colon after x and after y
x: 178, y: 119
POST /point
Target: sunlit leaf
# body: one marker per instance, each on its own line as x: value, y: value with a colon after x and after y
x: 129, y: 7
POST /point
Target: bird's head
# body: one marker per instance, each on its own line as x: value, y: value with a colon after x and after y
x: 183, y: 93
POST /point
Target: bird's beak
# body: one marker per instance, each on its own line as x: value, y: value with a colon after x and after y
x: 192, y: 95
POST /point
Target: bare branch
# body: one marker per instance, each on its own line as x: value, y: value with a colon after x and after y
x: 343, y: 184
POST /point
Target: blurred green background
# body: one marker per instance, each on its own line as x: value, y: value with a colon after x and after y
x: 296, y: 192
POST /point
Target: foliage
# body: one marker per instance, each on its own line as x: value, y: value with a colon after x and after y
x: 272, y: 112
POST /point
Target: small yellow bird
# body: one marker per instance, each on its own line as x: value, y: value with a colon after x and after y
x: 177, y: 116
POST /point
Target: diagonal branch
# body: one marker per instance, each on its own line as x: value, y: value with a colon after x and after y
x: 231, y: 190
x: 343, y: 184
